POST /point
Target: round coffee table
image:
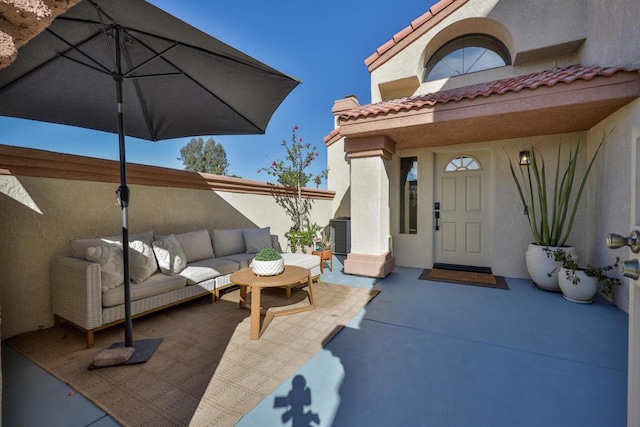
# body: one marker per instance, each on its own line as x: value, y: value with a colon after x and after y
x: 292, y: 275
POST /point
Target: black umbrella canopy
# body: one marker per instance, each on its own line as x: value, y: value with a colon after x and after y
x: 126, y: 66
x: 178, y: 81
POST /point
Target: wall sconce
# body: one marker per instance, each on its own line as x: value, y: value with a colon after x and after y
x: 524, y: 158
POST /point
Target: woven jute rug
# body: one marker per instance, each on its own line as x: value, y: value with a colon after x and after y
x: 206, y: 371
x: 465, y: 278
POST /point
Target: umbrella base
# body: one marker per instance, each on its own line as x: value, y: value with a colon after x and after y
x: 143, y: 350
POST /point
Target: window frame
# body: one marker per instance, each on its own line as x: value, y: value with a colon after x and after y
x: 466, y: 41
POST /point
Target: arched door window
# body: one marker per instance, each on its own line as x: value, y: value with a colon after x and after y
x: 466, y: 54
x: 463, y: 164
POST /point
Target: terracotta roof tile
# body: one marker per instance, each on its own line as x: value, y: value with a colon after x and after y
x: 422, y: 19
x: 497, y: 87
x: 438, y: 7
x: 402, y: 33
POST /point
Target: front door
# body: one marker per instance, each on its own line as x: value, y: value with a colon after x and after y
x: 462, y: 201
x: 632, y: 270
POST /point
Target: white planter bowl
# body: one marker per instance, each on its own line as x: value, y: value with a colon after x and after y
x: 582, y: 292
x: 267, y: 268
x: 539, y: 265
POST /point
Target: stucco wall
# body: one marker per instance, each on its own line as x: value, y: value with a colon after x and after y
x: 539, y: 36
x: 21, y: 20
x: 613, y: 33
x: 339, y: 179
x: 610, y: 191
x: 38, y: 217
x: 511, y: 231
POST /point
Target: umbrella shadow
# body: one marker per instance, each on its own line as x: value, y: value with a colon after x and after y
x: 295, y: 403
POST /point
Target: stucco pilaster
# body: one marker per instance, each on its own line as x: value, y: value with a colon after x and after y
x: 370, y: 210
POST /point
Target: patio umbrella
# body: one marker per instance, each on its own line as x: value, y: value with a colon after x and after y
x: 127, y: 67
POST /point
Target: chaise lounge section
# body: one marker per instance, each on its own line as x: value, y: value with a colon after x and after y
x: 87, y: 285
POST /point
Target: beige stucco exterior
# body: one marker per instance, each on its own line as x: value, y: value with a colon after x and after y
x: 539, y: 36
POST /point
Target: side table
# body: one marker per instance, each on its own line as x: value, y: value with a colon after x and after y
x: 324, y: 255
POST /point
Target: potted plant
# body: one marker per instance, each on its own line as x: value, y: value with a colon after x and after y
x: 302, y: 239
x: 291, y: 178
x: 322, y: 241
x: 580, y: 284
x: 550, y: 213
x: 267, y: 262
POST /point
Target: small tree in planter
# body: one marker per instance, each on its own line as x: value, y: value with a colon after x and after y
x: 291, y: 177
x: 571, y: 276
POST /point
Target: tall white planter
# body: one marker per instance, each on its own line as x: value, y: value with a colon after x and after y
x: 581, y: 292
x: 543, y: 269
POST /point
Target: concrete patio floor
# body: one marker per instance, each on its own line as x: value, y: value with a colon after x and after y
x: 422, y: 353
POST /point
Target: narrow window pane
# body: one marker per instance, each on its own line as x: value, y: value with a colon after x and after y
x: 409, y: 195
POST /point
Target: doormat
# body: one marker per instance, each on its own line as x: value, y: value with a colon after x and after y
x: 473, y: 278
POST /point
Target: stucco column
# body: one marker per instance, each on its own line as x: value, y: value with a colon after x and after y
x: 370, y: 228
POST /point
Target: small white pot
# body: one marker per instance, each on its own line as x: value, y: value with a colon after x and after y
x: 267, y: 268
x: 543, y: 269
x: 583, y: 291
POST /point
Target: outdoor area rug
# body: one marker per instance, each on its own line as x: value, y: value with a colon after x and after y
x: 206, y: 371
x: 465, y: 278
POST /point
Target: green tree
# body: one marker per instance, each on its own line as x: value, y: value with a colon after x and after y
x: 208, y: 157
x: 292, y: 176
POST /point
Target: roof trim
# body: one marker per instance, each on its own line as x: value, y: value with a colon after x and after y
x: 497, y: 87
x: 417, y: 28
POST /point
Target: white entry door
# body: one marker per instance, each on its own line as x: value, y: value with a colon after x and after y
x: 462, y: 194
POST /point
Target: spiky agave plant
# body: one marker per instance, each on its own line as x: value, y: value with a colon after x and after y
x: 551, y: 219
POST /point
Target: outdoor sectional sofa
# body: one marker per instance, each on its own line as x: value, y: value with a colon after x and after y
x: 87, y: 290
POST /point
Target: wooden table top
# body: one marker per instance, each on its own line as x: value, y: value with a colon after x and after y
x: 292, y: 274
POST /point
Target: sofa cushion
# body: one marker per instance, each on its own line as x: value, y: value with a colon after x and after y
x: 242, y: 259
x: 256, y: 239
x: 228, y: 242
x: 275, y: 243
x: 206, y: 269
x: 301, y: 260
x: 169, y: 253
x: 142, y: 261
x: 196, y: 245
x: 156, y: 284
x: 111, y: 264
x: 79, y: 246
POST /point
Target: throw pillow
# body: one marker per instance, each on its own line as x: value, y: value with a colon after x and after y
x: 196, y: 245
x: 228, y: 242
x: 111, y: 264
x: 142, y: 261
x: 169, y: 253
x: 256, y: 239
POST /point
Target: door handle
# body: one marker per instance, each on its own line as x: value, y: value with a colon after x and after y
x: 631, y: 269
x: 436, y: 209
x: 615, y: 241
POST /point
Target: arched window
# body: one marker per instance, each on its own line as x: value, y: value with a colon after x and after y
x: 466, y: 54
x: 463, y: 164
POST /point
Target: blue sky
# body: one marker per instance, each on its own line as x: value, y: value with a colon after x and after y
x: 322, y: 43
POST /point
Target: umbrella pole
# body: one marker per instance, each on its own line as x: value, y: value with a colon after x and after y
x: 123, y: 199
x: 142, y: 349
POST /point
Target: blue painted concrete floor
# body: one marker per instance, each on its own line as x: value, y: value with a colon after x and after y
x: 422, y: 353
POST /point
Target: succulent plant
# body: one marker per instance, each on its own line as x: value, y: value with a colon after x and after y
x: 267, y: 254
